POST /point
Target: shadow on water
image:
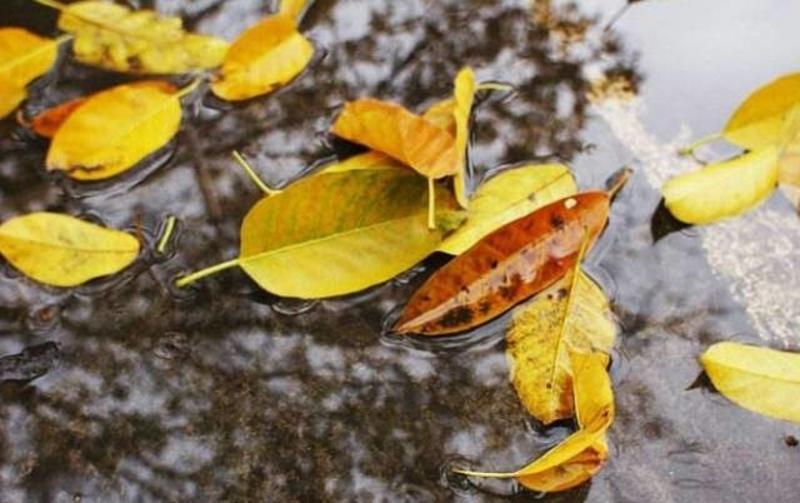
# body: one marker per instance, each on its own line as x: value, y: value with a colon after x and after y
x: 224, y: 393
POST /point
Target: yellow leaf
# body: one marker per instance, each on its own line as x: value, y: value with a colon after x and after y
x: 403, y: 135
x: 583, y: 453
x: 266, y: 56
x: 294, y: 9
x: 723, y: 189
x: 24, y: 56
x: 464, y: 95
x: 762, y: 380
x: 336, y: 233
x: 757, y: 122
x: 367, y: 160
x: 789, y: 160
x: 115, y: 129
x: 61, y: 250
x: 507, y: 196
x: 112, y: 36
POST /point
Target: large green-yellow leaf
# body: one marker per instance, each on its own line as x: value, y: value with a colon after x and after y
x: 23, y: 57
x: 112, y: 36
x: 583, y: 453
x: 115, y: 129
x: 61, y: 250
x: 723, y: 189
x: 572, y: 316
x: 337, y: 233
x: 507, y: 196
x: 762, y: 380
x: 265, y: 57
x: 757, y: 122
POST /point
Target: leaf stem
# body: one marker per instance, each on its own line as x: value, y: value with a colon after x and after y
x: 431, y: 204
x: 490, y: 475
x: 189, y: 89
x: 689, y: 149
x: 494, y: 86
x: 169, y: 228
x: 202, y: 273
x: 52, y: 4
x: 253, y: 176
x: 622, y: 176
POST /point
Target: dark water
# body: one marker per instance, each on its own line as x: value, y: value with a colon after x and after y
x: 226, y: 393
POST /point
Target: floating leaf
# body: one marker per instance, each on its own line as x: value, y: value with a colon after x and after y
x: 572, y: 316
x: 762, y: 380
x: 583, y: 453
x: 789, y: 156
x: 464, y: 96
x: 723, y: 189
x: 115, y: 129
x: 507, y: 266
x: 61, y: 250
x: 507, y: 196
x: 112, y: 36
x: 336, y: 233
x: 758, y: 121
x: 46, y: 123
x: 24, y: 56
x: 266, y: 56
x: 294, y: 9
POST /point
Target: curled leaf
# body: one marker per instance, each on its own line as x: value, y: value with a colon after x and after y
x: 723, y: 189
x: 464, y: 96
x: 115, y: 129
x: 24, y: 56
x: 47, y: 122
x: 762, y: 380
x: 112, y: 36
x: 336, y: 233
x: 572, y: 316
x: 506, y: 267
x: 266, y: 56
x: 61, y: 250
x: 507, y: 196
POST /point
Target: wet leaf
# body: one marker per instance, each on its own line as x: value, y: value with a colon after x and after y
x: 61, y: 250
x: 47, y: 122
x: 24, y: 56
x: 507, y: 196
x: 583, y: 453
x: 789, y: 156
x: 112, y: 36
x: 115, y: 129
x: 337, y: 232
x: 506, y: 267
x: 762, y: 380
x: 294, y: 9
x: 572, y: 316
x: 757, y: 122
x: 265, y: 57
x: 723, y: 189
x: 464, y: 96
x: 33, y: 362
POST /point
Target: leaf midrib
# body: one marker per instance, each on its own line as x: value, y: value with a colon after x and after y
x: 14, y: 63
x: 64, y: 247
x: 745, y: 370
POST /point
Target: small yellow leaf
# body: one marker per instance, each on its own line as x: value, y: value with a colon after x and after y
x: 115, y: 129
x: 507, y: 196
x: 293, y: 9
x: 757, y: 122
x: 112, y: 36
x: 24, y: 56
x: 61, y: 250
x: 723, y: 189
x: 403, y: 135
x: 266, y: 56
x: 762, y: 380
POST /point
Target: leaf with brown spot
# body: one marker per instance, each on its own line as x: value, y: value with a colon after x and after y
x: 47, y: 122
x: 507, y: 266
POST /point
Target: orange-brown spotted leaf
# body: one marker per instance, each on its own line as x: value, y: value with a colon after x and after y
x: 399, y: 133
x: 47, y: 122
x: 506, y: 267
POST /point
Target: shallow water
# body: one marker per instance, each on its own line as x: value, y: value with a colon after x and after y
x: 226, y: 393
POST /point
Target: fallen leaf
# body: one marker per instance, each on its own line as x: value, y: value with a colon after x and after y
x: 583, y: 453
x: 112, y: 36
x: 47, y: 122
x: 61, y: 250
x: 24, y: 56
x: 507, y: 266
x: 266, y: 56
x: 572, y: 316
x: 723, y: 189
x: 294, y: 9
x: 789, y: 154
x: 757, y: 122
x: 507, y: 196
x: 464, y: 96
x: 336, y: 233
x: 115, y: 129
x: 762, y: 380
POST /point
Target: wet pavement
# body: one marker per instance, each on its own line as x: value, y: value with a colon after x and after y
x: 226, y: 393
